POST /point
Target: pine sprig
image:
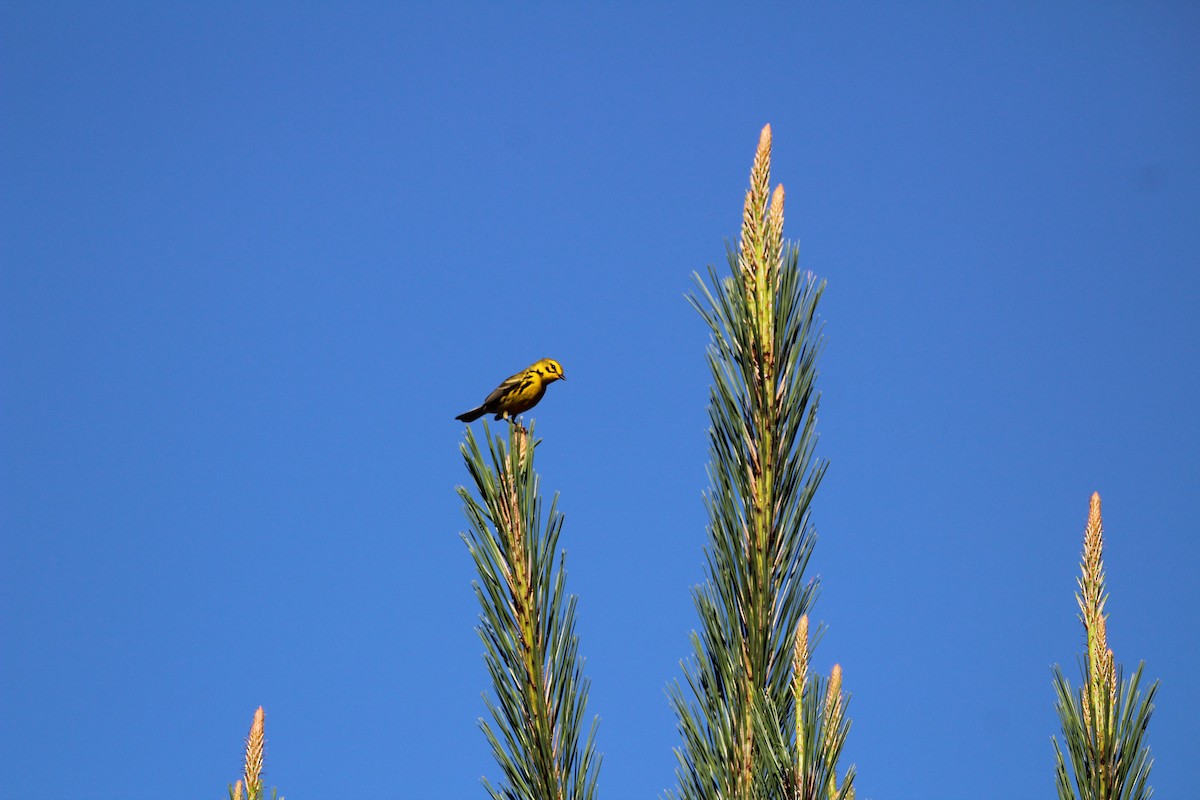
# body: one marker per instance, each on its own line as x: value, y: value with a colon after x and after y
x: 766, y: 339
x: 1104, y: 721
x: 804, y: 765
x: 527, y: 625
x: 252, y: 768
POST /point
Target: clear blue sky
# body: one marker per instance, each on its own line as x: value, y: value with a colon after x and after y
x: 254, y: 260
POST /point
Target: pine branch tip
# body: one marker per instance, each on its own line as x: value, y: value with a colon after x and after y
x: 764, y: 137
x: 254, y: 755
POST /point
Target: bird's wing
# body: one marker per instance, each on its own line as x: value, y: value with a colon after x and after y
x: 511, y: 384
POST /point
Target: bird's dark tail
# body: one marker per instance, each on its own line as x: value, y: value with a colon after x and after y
x: 472, y: 415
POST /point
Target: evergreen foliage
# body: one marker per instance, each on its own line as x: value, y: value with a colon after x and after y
x: 527, y: 626
x: 1104, y: 721
x: 805, y: 764
x: 739, y: 715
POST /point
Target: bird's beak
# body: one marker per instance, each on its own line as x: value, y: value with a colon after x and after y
x: 562, y: 377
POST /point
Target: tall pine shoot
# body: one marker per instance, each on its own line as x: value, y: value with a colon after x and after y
x: 1104, y: 721
x: 527, y: 624
x: 755, y: 721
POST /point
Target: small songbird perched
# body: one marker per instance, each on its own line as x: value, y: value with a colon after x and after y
x: 518, y: 393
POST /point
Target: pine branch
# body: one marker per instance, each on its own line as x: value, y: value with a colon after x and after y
x: 1104, y: 721
x: 763, y: 403
x: 527, y: 626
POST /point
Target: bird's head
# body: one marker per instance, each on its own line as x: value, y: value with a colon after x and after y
x: 550, y: 370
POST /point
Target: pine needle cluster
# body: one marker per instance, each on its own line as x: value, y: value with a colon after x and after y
x: 744, y: 715
x: 1104, y: 721
x: 527, y: 624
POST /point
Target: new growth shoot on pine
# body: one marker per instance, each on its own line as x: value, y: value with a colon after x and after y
x: 763, y: 403
x: 527, y: 624
x: 806, y: 765
x: 252, y: 768
x: 1104, y: 722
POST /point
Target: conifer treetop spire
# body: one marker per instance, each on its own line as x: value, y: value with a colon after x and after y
x: 1104, y: 721
x: 740, y: 731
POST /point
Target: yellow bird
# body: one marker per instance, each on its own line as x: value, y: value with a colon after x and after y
x: 518, y: 393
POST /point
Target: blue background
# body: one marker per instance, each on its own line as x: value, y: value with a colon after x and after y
x: 254, y: 260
